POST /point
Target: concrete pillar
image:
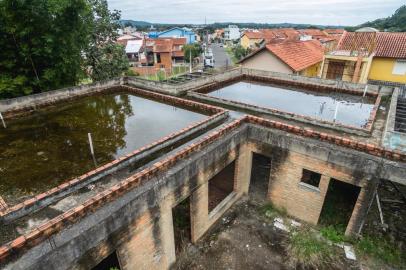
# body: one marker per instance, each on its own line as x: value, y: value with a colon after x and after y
x: 356, y: 76
x: 243, y: 167
x: 365, y: 198
x: 323, y: 187
x: 167, y: 235
x: 199, y: 211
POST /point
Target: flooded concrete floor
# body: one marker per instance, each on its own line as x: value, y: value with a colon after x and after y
x: 50, y: 147
x: 27, y: 223
x: 352, y: 110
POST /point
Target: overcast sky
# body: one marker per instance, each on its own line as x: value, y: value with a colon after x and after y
x: 333, y: 12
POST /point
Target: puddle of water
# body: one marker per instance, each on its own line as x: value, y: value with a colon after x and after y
x: 50, y: 147
x: 351, y: 109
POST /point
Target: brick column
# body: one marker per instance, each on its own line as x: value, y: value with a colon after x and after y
x: 365, y: 198
x: 199, y: 212
x: 167, y: 234
x: 243, y: 170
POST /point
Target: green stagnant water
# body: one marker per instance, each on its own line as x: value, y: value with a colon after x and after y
x: 46, y: 149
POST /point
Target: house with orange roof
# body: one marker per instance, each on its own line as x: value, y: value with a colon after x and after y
x: 367, y: 56
x: 291, y: 57
x: 254, y: 38
x: 160, y: 54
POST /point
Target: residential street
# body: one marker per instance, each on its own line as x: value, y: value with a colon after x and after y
x: 222, y: 59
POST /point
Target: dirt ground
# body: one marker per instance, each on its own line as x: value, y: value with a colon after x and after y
x: 236, y: 242
x: 242, y: 239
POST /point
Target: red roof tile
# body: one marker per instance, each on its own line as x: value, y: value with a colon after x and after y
x: 334, y: 31
x: 272, y: 34
x: 383, y: 44
x: 254, y: 35
x: 179, y: 41
x: 313, y: 32
x: 357, y: 41
x: 298, y: 54
x: 391, y: 45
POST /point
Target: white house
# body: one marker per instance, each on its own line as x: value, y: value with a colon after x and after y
x: 232, y: 32
x: 132, y: 49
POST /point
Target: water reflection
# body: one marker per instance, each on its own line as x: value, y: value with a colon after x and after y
x: 352, y: 110
x: 43, y: 150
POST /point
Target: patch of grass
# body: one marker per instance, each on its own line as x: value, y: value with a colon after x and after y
x: 270, y: 211
x: 381, y: 250
x: 334, y: 233
x: 307, y: 249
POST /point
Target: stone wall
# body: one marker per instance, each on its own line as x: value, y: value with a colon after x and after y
x: 393, y: 139
x: 372, y: 89
x: 10, y: 107
x: 182, y: 88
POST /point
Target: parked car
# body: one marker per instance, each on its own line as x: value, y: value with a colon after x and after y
x: 209, y: 61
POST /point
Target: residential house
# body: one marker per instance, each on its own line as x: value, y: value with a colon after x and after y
x: 232, y: 33
x: 218, y: 34
x: 389, y: 61
x: 291, y: 57
x: 160, y: 54
x: 176, y: 32
x: 308, y: 34
x: 334, y: 32
x: 254, y: 39
x: 363, y: 56
x: 133, y: 51
x: 123, y: 39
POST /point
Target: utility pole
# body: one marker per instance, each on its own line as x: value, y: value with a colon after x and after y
x: 190, y: 61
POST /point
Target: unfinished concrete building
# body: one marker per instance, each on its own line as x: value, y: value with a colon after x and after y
x: 184, y: 145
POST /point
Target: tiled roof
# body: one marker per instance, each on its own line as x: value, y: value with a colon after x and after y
x: 298, y: 54
x: 334, y: 31
x: 179, y: 41
x: 362, y: 41
x: 254, y: 35
x: 383, y: 44
x: 313, y: 32
x: 391, y: 45
x: 271, y: 34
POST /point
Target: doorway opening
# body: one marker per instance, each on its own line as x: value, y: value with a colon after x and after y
x: 181, y: 225
x: 260, y: 175
x: 221, y: 185
x: 339, y: 204
x: 109, y: 263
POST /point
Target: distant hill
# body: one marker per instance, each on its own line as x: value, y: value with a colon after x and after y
x: 135, y: 23
x: 394, y: 23
x: 142, y: 25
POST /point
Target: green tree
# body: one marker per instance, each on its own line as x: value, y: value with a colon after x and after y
x: 394, y: 23
x: 50, y: 44
x: 240, y: 52
x: 193, y: 49
x: 40, y: 48
x: 104, y: 57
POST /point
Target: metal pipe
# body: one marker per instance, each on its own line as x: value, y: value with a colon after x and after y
x: 365, y: 90
x: 336, y: 112
x: 89, y: 135
x: 2, y: 120
x: 379, y: 208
